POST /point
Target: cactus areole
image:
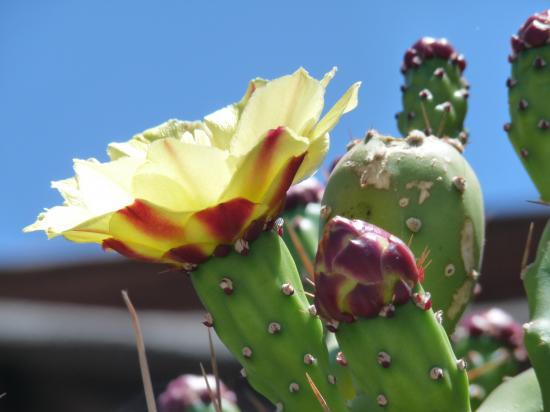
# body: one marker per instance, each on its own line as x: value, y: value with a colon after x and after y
x: 528, y: 99
x: 361, y: 269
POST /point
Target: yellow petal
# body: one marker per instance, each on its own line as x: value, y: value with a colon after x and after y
x: 346, y: 103
x: 105, y: 187
x: 260, y: 166
x: 295, y: 101
x: 189, y: 132
x: 316, y: 153
x: 195, y: 175
x: 328, y: 77
x: 222, y: 124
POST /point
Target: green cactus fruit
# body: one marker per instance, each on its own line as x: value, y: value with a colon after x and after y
x: 491, y: 342
x: 301, y: 212
x: 368, y: 291
x: 528, y: 96
x: 536, y: 280
x: 257, y: 306
x: 189, y: 393
x: 518, y: 394
x: 419, y: 187
x: 435, y: 94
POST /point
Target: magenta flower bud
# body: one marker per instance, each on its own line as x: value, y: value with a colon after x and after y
x: 190, y: 391
x: 535, y: 32
x: 428, y: 48
x: 307, y: 191
x: 360, y: 269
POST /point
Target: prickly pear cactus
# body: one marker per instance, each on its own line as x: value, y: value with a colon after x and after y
x: 491, y: 342
x: 536, y: 279
x: 258, y: 308
x: 529, y: 128
x: 518, y: 394
x: 418, y: 188
x: 189, y: 393
x: 368, y: 290
x: 302, y: 207
x: 435, y: 94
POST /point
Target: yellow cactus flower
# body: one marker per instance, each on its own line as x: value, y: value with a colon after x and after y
x: 182, y: 191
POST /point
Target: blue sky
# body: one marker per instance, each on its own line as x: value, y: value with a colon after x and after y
x: 76, y: 75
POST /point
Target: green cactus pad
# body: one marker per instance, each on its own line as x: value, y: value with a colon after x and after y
x: 405, y: 362
x: 434, y: 94
x: 529, y: 130
x: 260, y: 312
x: 420, y: 187
x: 518, y: 394
x: 536, y: 280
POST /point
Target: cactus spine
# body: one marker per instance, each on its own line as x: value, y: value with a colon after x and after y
x: 301, y: 212
x: 419, y: 187
x: 529, y: 128
x: 536, y: 279
x: 434, y: 94
x: 367, y: 284
x: 258, y: 308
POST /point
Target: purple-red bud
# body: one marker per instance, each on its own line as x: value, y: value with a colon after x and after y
x: 535, y: 32
x: 188, y: 391
x: 429, y: 48
x: 360, y: 269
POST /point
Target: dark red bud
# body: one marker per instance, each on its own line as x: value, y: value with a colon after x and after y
x: 428, y: 48
x: 373, y: 267
x: 535, y: 32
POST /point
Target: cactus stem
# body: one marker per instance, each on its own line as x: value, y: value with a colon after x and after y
x: 460, y: 183
x: 273, y: 328
x: 293, y: 387
x: 384, y: 359
x: 208, y: 320
x: 436, y: 373
x: 247, y: 352
x: 226, y: 285
x: 341, y: 359
x: 381, y: 400
x: 523, y: 104
x: 287, y: 289
x: 450, y: 270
